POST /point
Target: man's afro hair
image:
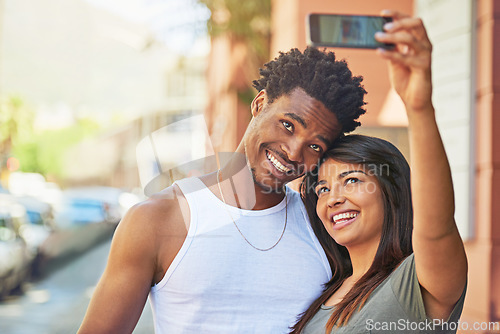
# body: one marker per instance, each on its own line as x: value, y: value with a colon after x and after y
x: 322, y: 77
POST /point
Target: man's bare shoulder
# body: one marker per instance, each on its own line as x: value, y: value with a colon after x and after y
x: 164, y: 209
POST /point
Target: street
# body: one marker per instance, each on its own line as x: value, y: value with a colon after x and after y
x: 57, y: 304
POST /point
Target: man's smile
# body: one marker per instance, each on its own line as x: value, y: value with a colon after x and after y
x: 277, y: 164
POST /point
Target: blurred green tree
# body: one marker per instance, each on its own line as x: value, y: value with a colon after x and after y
x: 247, y: 21
x: 44, y: 152
x: 37, y: 151
x: 16, y: 121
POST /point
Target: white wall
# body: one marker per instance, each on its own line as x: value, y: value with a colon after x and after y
x: 450, y: 27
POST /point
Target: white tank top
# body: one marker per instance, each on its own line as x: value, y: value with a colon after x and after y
x: 218, y: 283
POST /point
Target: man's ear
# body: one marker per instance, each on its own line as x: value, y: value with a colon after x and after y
x: 259, y: 102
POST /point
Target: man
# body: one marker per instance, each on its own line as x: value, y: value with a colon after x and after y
x: 232, y: 251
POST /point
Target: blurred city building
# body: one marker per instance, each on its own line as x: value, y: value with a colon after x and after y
x: 61, y: 56
x: 110, y: 159
x: 240, y: 41
x: 466, y: 60
x: 69, y: 60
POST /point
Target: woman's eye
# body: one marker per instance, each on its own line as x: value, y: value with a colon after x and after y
x: 287, y: 125
x: 315, y: 147
x: 351, y: 180
x: 321, y: 190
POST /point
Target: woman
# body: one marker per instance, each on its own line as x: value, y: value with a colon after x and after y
x: 398, y: 261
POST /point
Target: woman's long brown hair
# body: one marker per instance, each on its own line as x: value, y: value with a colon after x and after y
x: 391, y: 169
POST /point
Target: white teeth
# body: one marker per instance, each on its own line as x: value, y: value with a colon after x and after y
x: 279, y: 166
x: 345, y: 215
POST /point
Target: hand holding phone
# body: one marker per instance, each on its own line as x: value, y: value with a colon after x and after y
x: 347, y: 31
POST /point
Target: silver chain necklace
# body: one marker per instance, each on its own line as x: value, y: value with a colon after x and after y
x: 257, y: 248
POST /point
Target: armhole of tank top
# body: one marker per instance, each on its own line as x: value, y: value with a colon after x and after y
x: 315, y: 240
x: 193, y: 225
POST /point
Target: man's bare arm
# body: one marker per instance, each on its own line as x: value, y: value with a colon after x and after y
x: 145, y: 242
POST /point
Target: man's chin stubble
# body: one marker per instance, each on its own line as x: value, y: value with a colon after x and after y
x: 278, y: 189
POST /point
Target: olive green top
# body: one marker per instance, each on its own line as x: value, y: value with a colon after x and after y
x: 395, y: 306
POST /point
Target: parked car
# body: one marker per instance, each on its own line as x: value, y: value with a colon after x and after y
x: 93, y: 204
x: 75, y: 211
x: 40, y: 223
x: 15, y: 256
x: 31, y: 219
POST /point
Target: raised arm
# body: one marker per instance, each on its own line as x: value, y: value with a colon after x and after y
x: 440, y: 258
x: 145, y: 242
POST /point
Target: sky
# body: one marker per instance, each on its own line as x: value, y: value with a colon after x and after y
x: 181, y: 24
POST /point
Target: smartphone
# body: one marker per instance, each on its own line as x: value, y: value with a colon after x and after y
x: 345, y: 31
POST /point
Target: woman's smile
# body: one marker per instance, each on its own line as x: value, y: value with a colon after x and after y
x: 341, y: 220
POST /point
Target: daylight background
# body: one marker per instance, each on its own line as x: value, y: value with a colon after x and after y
x: 104, y: 102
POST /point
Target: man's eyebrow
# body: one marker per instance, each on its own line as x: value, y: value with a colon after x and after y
x: 324, y: 140
x: 344, y: 174
x: 297, y: 118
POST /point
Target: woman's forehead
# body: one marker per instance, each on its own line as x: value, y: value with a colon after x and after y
x: 332, y: 168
